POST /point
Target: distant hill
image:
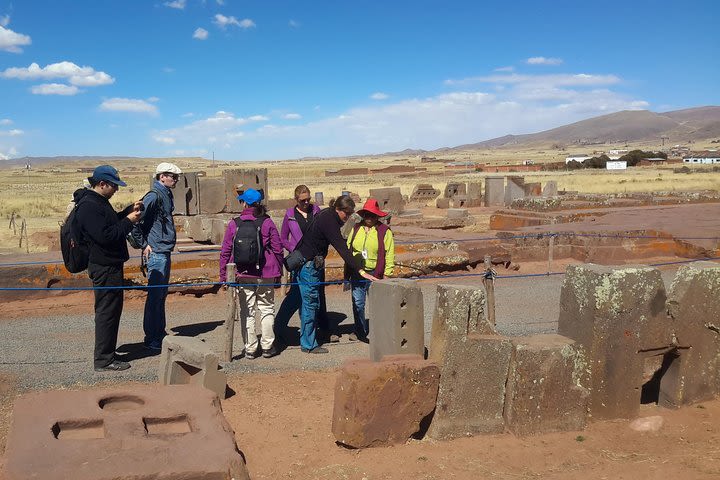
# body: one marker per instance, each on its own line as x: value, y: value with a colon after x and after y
x: 86, y: 160
x: 678, y: 126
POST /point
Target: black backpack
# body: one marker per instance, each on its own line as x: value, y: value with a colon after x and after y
x: 75, y: 248
x: 248, y: 250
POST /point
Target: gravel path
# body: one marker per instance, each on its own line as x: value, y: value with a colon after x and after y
x: 55, y: 350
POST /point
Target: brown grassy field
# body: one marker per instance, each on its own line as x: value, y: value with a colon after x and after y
x: 41, y: 196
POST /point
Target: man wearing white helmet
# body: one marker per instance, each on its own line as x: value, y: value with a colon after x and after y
x: 159, y: 241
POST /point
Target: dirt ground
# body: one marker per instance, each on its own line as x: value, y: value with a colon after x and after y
x: 282, y: 422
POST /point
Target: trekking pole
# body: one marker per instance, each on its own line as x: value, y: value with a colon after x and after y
x: 231, y: 313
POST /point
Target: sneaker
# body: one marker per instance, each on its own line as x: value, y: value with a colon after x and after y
x: 314, y: 350
x: 252, y: 355
x: 270, y: 352
x: 114, y: 366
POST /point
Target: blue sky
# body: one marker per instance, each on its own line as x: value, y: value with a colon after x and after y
x: 254, y: 80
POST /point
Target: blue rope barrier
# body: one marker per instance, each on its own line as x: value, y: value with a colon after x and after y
x: 333, y: 282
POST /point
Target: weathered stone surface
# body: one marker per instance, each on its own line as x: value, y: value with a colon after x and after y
x: 473, y: 361
x: 694, y: 305
x: 424, y: 192
x: 494, y: 191
x: 474, y: 191
x: 550, y: 189
x: 186, y: 195
x: 189, y: 360
x: 383, y: 403
x: 217, y: 230
x: 389, y: 199
x: 396, y: 318
x: 212, y: 195
x: 471, y: 395
x: 239, y: 180
x: 455, y: 188
x: 139, y: 432
x: 515, y: 189
x: 533, y: 189
x: 618, y: 316
x: 198, y: 227
x: 543, y: 389
x: 442, y: 203
x: 457, y: 212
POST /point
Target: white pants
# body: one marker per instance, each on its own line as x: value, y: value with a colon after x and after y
x: 261, y: 296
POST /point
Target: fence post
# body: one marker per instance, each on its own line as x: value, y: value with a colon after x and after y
x: 12, y: 224
x: 231, y: 314
x: 489, y: 282
x: 550, y: 253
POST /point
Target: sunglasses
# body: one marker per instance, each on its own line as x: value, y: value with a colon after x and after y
x: 174, y: 176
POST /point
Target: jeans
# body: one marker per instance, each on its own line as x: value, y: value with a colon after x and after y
x: 308, y: 278
x: 158, y: 266
x: 293, y: 302
x: 262, y: 297
x: 359, y: 294
x: 108, y: 308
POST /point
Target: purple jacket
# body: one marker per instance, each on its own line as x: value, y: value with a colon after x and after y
x: 271, y: 241
x: 290, y: 234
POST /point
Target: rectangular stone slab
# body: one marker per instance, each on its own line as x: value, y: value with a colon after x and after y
x: 617, y: 314
x: 383, y: 403
x: 397, y: 323
x: 471, y: 395
x: 543, y: 390
x: 141, y: 432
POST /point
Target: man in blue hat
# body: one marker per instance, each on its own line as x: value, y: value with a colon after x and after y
x: 105, y: 230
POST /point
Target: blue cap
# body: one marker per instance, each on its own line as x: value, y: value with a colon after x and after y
x: 108, y: 173
x: 250, y: 196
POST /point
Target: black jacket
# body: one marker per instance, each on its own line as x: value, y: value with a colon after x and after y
x: 103, y: 227
x: 323, y: 231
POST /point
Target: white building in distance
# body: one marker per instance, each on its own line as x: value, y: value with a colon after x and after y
x: 579, y: 157
x: 703, y: 157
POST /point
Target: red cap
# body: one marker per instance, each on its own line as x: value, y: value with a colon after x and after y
x: 371, y: 206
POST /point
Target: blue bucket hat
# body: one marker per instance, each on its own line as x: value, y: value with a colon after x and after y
x: 250, y: 196
x: 107, y: 173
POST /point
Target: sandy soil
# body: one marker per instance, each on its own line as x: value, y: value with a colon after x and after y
x: 293, y: 439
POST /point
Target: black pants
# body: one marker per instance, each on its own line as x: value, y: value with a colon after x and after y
x: 108, y: 308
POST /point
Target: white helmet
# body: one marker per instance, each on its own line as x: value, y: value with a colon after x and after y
x: 166, y: 167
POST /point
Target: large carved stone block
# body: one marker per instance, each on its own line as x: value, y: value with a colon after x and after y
x: 543, y: 390
x: 694, y: 305
x: 383, y: 403
x: 397, y: 324
x: 189, y: 360
x: 140, y: 432
x: 617, y: 315
x: 494, y: 191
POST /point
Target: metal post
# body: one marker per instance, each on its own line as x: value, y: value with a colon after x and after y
x: 489, y: 282
x: 231, y: 314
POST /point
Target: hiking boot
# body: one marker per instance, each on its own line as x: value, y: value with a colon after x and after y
x: 114, y: 366
x: 314, y: 350
x: 270, y: 352
x: 252, y: 355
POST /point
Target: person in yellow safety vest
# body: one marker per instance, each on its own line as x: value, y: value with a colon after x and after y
x: 373, y: 242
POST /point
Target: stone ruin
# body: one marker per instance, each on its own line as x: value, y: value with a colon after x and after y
x: 498, y: 194
x: 142, y: 432
x: 622, y: 340
x: 460, y: 195
x: 423, y: 193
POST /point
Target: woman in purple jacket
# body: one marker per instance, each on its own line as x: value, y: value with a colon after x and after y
x: 256, y: 277
x: 294, y: 225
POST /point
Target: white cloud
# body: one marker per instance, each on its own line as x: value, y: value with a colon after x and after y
x: 11, y: 133
x: 544, y: 61
x: 292, y: 116
x: 379, y: 96
x: 11, y: 41
x: 220, y: 2
x: 504, y: 69
x: 4, y: 20
x: 8, y: 153
x: 79, y: 76
x: 223, y: 22
x: 178, y: 4
x: 6, y: 121
x: 153, y: 99
x: 188, y: 115
x: 200, y: 34
x: 54, y: 89
x: 128, y: 105
x: 500, y: 105
x: 163, y: 139
x: 294, y: 23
